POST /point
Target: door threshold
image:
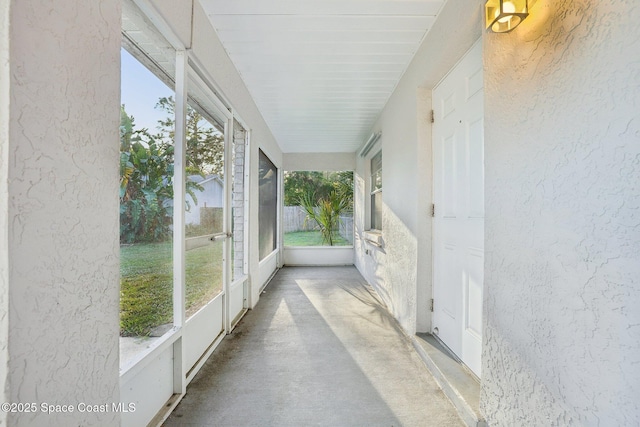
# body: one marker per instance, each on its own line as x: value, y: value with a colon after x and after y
x: 455, y: 379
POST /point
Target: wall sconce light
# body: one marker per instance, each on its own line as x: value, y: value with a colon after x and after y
x: 502, y: 16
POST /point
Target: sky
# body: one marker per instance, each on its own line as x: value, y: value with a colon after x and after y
x: 140, y: 92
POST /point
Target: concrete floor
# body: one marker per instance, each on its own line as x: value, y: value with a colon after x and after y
x: 319, y: 349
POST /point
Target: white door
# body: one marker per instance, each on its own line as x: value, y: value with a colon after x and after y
x: 458, y: 149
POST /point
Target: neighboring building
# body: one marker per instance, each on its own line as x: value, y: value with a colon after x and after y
x: 211, y: 196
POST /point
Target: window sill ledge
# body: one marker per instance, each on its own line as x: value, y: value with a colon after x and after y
x: 373, y: 237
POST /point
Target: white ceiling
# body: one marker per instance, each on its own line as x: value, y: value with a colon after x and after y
x: 320, y: 71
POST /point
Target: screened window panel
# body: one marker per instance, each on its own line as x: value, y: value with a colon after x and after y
x: 376, y: 181
x: 204, y: 211
x: 268, y: 206
x: 376, y: 163
x: 146, y: 209
x: 376, y: 210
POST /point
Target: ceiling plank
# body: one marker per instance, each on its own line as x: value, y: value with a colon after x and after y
x: 309, y: 49
x: 269, y: 23
x: 326, y: 7
x: 307, y: 36
x: 320, y: 71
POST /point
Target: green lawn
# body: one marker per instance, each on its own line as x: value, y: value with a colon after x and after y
x: 311, y: 238
x: 146, y: 280
x: 146, y: 284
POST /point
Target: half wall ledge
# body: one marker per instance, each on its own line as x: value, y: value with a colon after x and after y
x: 457, y: 383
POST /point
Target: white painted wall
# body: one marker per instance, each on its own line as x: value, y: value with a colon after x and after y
x: 148, y: 388
x: 319, y: 161
x: 59, y: 178
x: 178, y: 16
x: 562, y: 287
x: 424, y: 186
x: 314, y: 255
x: 402, y: 270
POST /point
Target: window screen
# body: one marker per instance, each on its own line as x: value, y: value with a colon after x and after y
x: 268, y: 206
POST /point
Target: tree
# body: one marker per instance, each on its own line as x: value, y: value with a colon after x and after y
x: 321, y: 184
x: 205, y: 144
x: 299, y: 183
x: 146, y: 178
x: 324, y: 196
x: 343, y: 185
x: 325, y: 212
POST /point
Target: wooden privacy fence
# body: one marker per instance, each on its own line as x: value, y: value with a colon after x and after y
x: 346, y: 227
x: 293, y: 219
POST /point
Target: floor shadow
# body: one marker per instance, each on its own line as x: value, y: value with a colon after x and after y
x: 319, y: 349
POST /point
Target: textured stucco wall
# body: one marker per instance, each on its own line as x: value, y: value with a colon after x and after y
x: 63, y: 208
x: 4, y: 204
x: 369, y: 259
x: 562, y: 288
x: 402, y: 272
x: 400, y: 165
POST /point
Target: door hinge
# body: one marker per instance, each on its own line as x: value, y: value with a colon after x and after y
x: 431, y: 305
x: 433, y: 210
x: 433, y: 116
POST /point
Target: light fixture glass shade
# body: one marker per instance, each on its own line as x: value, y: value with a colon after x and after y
x: 502, y: 16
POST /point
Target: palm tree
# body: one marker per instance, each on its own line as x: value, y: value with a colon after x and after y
x: 325, y: 211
